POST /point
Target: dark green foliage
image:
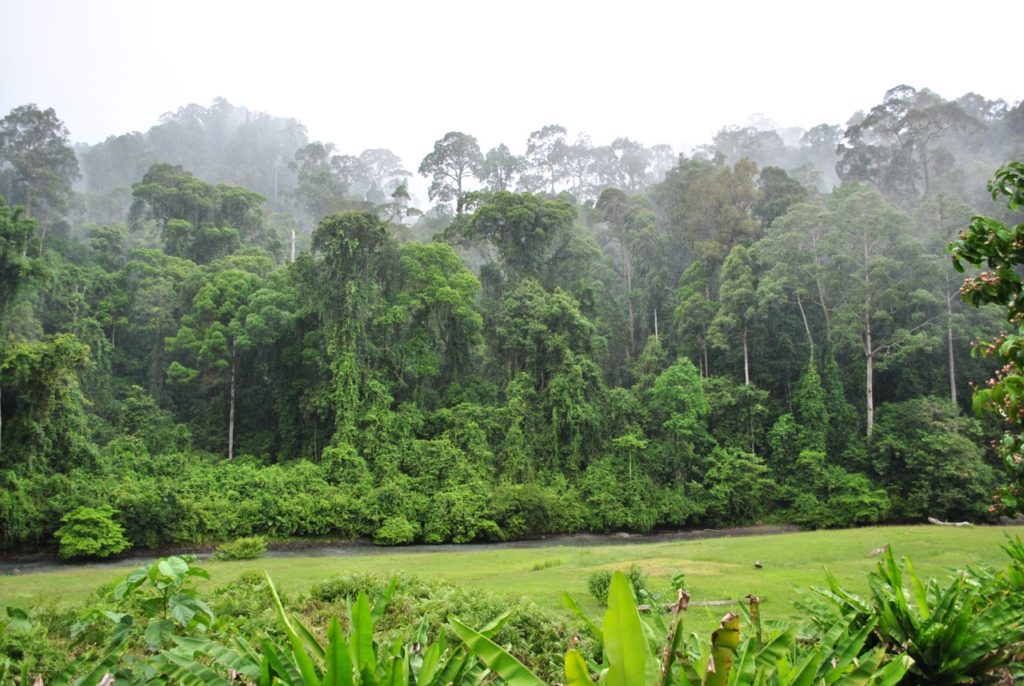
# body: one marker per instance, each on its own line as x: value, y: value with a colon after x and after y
x: 246, y: 548
x: 823, y: 495
x: 90, y: 532
x: 924, y: 456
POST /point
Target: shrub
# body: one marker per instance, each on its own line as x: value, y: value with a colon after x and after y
x: 599, y: 582
x: 535, y: 635
x: 395, y: 530
x: 249, y: 548
x: 91, y: 532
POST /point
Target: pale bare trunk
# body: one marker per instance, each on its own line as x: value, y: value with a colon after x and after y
x: 869, y: 347
x: 949, y: 344
x: 627, y: 263
x: 869, y: 379
x: 293, y: 245
x: 231, y: 412
x: 656, y: 336
x: 807, y: 326
x: 746, y: 358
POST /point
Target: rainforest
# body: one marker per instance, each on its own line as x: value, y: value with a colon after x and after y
x: 220, y: 329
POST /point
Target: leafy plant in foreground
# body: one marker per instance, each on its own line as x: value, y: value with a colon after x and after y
x: 970, y: 631
x: 633, y: 655
x: 1001, y: 248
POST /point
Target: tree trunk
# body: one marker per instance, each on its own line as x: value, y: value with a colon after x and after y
x: 293, y: 246
x: 231, y: 411
x: 807, y: 326
x: 629, y: 300
x: 656, y: 337
x: 746, y: 358
x: 869, y: 348
x: 949, y: 344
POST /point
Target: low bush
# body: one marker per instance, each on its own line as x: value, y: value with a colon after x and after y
x: 248, y: 548
x: 396, y: 530
x: 599, y: 582
x: 91, y: 532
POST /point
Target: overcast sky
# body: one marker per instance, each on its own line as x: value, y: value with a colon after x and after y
x: 401, y: 74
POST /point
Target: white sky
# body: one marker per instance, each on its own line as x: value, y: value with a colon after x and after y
x: 400, y: 74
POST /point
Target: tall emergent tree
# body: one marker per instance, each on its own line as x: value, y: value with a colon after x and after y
x: 37, y: 165
x: 456, y: 158
x: 1001, y: 249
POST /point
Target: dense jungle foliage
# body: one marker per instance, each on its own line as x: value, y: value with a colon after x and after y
x: 220, y: 329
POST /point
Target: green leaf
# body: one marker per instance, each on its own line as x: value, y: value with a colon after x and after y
x: 173, y: 566
x: 511, y: 670
x: 361, y: 634
x: 570, y: 604
x: 381, y: 603
x: 304, y: 662
x: 624, y: 642
x: 338, y: 668
x: 104, y: 666
x: 576, y: 672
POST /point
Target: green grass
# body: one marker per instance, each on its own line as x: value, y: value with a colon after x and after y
x: 715, y: 568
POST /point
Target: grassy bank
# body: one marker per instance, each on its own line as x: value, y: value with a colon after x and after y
x: 715, y: 568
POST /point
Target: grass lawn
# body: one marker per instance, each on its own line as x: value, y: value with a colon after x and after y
x: 715, y: 569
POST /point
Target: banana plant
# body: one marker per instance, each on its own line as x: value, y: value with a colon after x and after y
x: 632, y: 658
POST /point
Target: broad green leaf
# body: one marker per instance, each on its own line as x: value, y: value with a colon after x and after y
x: 381, y: 603
x: 99, y: 670
x: 625, y: 644
x: 338, y: 662
x: 511, y: 670
x: 893, y: 672
x: 361, y: 634
x: 576, y: 672
x: 304, y: 662
x: 570, y: 604
x: 279, y: 665
x: 919, y: 593
x: 173, y: 566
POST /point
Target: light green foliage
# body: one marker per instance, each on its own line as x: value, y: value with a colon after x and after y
x: 442, y: 325
x: 91, y: 532
x: 967, y: 631
x: 736, y: 487
x: 599, y: 582
x: 246, y: 548
x: 396, y: 530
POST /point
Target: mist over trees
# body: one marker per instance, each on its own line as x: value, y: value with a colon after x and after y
x: 219, y: 327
